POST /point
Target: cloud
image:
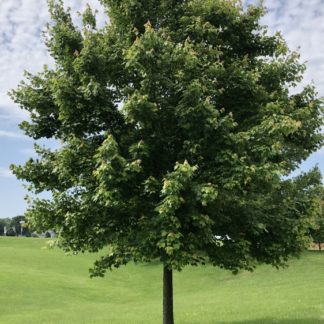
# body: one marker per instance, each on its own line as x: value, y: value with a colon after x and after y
x: 5, y: 173
x: 22, y: 47
x: 301, y: 24
x: 10, y: 134
x: 21, y: 43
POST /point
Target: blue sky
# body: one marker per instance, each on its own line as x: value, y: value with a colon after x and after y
x: 21, y: 48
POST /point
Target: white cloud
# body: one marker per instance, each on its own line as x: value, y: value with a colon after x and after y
x: 22, y: 47
x: 302, y: 25
x: 22, y: 22
x: 5, y: 173
x: 10, y: 134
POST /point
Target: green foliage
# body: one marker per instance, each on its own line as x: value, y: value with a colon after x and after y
x: 11, y: 232
x: 4, y: 222
x: 317, y: 230
x: 177, y: 132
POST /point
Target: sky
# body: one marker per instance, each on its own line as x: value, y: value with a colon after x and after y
x: 21, y: 48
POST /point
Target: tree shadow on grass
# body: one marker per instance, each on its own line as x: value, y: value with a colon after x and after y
x: 275, y: 321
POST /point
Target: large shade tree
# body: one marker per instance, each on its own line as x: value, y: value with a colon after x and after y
x: 178, y: 131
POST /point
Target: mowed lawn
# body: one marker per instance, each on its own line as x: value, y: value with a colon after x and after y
x: 38, y: 285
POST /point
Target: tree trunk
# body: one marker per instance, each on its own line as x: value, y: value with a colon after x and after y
x: 319, y: 246
x: 167, y: 296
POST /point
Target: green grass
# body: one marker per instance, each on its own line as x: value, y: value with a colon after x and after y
x: 45, y: 286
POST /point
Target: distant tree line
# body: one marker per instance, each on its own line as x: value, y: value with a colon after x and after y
x: 15, y: 226
x: 19, y: 226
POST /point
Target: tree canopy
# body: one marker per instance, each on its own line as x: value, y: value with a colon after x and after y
x: 178, y: 130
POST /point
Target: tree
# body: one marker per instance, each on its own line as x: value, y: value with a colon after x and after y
x: 11, y: 232
x: 16, y: 224
x: 4, y: 223
x: 177, y: 132
x: 317, y: 231
x: 21, y: 225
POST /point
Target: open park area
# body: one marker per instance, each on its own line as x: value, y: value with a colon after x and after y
x: 40, y: 285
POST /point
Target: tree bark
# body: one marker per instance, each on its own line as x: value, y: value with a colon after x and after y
x: 167, y: 296
x: 319, y: 246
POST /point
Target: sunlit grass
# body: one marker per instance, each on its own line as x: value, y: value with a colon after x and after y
x: 45, y: 286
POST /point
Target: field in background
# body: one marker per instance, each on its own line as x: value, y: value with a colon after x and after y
x: 45, y: 286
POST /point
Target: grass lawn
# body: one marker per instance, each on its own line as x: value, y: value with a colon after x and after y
x: 45, y: 286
